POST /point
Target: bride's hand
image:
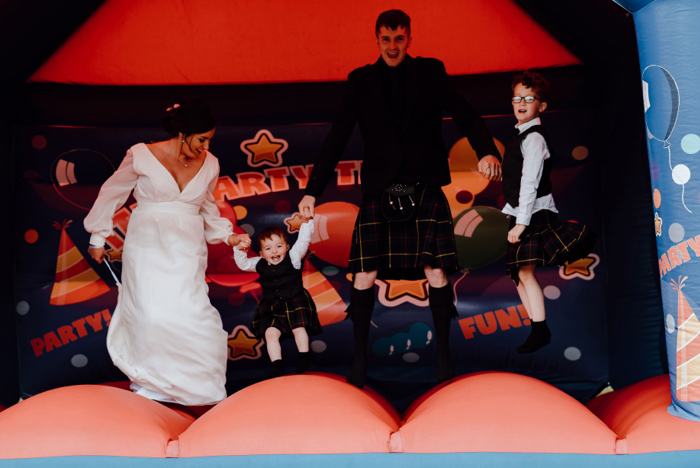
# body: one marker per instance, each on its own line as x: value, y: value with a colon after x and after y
x: 97, y: 253
x: 240, y: 240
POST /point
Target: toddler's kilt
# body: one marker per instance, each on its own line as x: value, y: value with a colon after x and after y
x: 286, y: 315
x: 399, y: 250
x: 548, y: 241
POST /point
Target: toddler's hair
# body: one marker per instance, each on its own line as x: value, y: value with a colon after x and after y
x: 534, y: 81
x: 267, y: 233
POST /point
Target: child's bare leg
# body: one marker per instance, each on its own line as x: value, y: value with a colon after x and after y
x: 522, y: 292
x: 530, y: 291
x: 533, y: 292
x: 272, y: 339
x: 302, y: 340
x: 274, y: 350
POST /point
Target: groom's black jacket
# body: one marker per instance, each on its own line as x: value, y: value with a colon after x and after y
x: 429, y: 92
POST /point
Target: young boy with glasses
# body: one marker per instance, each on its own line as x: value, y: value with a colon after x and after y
x: 536, y: 236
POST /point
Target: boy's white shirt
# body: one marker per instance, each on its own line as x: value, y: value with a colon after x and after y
x: 296, y: 253
x: 535, y: 151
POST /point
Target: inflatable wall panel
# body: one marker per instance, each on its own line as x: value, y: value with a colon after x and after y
x: 492, y: 419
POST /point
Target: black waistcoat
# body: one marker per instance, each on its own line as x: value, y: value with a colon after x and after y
x: 281, y: 280
x: 513, y: 167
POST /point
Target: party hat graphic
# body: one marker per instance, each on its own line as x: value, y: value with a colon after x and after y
x: 75, y: 281
x: 330, y: 306
x: 687, y: 348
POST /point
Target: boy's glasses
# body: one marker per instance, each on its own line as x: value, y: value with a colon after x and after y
x: 527, y: 99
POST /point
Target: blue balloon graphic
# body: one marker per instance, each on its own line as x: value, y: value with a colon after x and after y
x: 661, y: 102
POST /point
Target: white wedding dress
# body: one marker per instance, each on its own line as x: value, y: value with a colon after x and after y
x: 165, y: 335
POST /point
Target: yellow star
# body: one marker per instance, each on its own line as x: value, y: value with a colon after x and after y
x: 294, y: 222
x: 398, y: 289
x: 582, y: 267
x: 264, y: 149
x: 242, y: 344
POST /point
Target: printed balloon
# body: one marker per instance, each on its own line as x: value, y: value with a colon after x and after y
x: 481, y: 234
x: 332, y: 235
x: 661, y: 101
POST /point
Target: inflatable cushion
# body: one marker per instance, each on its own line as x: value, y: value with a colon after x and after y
x: 296, y: 414
x: 89, y: 420
x: 501, y: 412
x: 639, y: 416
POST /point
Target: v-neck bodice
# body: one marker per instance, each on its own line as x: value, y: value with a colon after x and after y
x: 206, y: 156
x: 156, y: 183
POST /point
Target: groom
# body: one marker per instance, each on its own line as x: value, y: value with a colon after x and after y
x: 398, y: 103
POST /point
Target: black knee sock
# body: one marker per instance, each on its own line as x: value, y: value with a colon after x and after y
x: 277, y: 368
x: 443, y: 309
x: 303, y: 362
x: 360, y: 310
x: 540, y: 336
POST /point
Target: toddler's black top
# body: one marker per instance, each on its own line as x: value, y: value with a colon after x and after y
x: 281, y: 280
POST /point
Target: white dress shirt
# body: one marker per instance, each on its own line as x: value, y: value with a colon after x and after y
x: 535, y: 151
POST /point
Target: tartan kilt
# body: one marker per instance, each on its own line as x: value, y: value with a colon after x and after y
x: 548, y: 241
x: 400, y: 250
x: 286, y: 315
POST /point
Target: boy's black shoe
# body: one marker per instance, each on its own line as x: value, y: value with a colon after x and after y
x: 540, y: 336
x: 277, y: 368
x: 303, y: 363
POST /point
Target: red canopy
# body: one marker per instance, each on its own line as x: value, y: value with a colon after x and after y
x: 162, y: 42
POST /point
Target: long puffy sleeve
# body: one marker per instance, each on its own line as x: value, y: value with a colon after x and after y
x: 113, y: 194
x: 216, y: 228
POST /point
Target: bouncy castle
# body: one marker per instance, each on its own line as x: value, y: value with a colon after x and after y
x: 619, y: 385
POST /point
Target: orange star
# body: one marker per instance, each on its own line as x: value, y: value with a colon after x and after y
x: 242, y: 344
x: 582, y: 267
x: 114, y: 255
x: 398, y: 289
x: 264, y: 149
x: 294, y: 223
x: 657, y: 224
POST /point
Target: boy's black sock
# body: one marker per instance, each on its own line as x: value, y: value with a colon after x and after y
x: 277, y: 368
x: 540, y: 336
x: 303, y: 362
x: 443, y: 309
x: 360, y: 312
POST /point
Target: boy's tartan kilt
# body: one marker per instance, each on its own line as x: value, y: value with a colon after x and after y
x: 548, y: 241
x: 286, y: 315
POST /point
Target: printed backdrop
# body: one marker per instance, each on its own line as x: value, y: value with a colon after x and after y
x: 65, y: 300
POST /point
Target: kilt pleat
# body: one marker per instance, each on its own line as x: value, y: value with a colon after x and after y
x: 548, y: 241
x: 400, y: 250
x: 286, y: 315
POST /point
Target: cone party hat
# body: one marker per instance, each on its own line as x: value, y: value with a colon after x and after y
x: 687, y: 349
x: 75, y: 280
x: 329, y: 304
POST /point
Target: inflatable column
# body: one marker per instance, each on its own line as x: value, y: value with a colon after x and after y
x: 668, y: 37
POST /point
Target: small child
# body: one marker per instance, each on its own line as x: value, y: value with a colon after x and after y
x: 536, y: 236
x: 286, y: 308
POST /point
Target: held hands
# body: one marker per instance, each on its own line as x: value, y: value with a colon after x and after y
x: 514, y: 234
x: 97, y: 253
x: 306, y: 207
x: 241, y: 240
x: 490, y: 167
